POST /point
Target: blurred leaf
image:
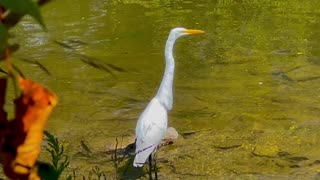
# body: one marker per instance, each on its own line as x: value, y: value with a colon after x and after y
x: 11, y: 20
x: 3, y: 39
x: 21, y: 145
x: 14, y: 47
x: 3, y: 87
x: 47, y: 171
x: 24, y: 7
x: 43, y: 2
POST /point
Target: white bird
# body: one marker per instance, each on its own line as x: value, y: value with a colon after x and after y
x: 152, y: 124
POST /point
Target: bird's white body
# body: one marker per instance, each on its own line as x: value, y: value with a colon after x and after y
x: 152, y: 124
x: 150, y: 129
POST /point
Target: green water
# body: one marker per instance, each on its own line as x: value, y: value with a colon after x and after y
x: 250, y: 85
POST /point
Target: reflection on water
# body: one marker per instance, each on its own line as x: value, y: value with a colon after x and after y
x: 252, y: 79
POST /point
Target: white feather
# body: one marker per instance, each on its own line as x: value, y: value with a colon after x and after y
x: 150, y: 129
x: 152, y: 124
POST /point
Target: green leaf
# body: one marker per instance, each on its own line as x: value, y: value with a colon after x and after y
x: 47, y: 171
x: 3, y: 39
x: 24, y: 7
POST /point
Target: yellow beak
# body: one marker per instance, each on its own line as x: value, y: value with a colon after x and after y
x: 193, y: 31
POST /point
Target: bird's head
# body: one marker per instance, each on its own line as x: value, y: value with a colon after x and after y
x: 179, y: 32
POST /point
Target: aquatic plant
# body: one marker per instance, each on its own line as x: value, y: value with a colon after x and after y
x: 96, y: 173
x: 59, y: 160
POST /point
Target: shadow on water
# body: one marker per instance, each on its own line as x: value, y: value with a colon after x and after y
x: 122, y: 159
x: 37, y: 63
x: 127, y: 171
x: 91, y: 61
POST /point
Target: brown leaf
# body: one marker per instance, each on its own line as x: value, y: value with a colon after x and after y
x: 22, y: 143
x: 3, y: 114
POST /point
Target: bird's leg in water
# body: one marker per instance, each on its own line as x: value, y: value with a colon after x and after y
x: 150, y: 166
x: 155, y: 166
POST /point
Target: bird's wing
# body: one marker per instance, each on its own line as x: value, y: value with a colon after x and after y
x: 151, y: 128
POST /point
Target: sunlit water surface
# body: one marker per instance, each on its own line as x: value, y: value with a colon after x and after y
x: 250, y: 85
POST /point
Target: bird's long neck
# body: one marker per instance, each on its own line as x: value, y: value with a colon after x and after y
x: 165, y: 94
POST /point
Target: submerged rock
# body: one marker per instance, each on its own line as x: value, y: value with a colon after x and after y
x: 170, y: 136
x: 129, y: 146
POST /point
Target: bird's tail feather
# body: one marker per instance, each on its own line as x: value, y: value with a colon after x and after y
x: 142, y: 155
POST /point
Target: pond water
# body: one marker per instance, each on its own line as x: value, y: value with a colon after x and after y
x: 247, y: 90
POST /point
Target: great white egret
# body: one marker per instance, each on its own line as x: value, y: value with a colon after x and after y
x: 152, y: 124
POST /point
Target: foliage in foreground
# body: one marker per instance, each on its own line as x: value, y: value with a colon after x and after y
x: 59, y: 161
x: 21, y: 137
